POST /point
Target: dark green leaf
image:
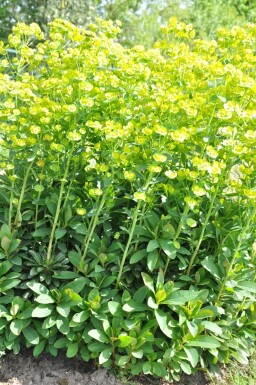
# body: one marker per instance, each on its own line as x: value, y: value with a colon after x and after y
x: 137, y: 256
x: 42, y: 311
x: 31, y: 335
x: 105, y: 355
x: 98, y: 335
x: 205, y: 342
x: 72, y: 350
x: 162, y: 321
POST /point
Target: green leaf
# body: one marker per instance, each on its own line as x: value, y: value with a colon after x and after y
x: 52, y: 350
x: 39, y: 188
x: 141, y: 230
x: 185, y: 367
x: 147, y: 368
x: 168, y: 248
x: 136, y: 257
x: 31, y: 335
x: 107, y: 281
x: 159, y: 369
x: 39, y: 348
x: 151, y: 303
x: 162, y: 321
x: 6, y: 243
x: 41, y: 232
x: 212, y: 326
x: 152, y: 259
x: 205, y: 342
x: 98, y: 335
x: 9, y: 284
x: 44, y: 299
x: 42, y: 311
x: 59, y: 233
x: 63, y: 325
x: 125, y: 341
x: 105, y: 355
x: 240, y: 357
x: 160, y: 296
x: 14, y: 245
x: 169, y: 229
x: 5, y: 267
x: 180, y: 297
x: 148, y: 282
x: 209, y: 265
x: 204, y: 313
x: 152, y: 245
x: 123, y: 360
x: 60, y: 343
x: 81, y: 317
x: 192, y: 355
x: 115, y: 309
x: 131, y: 306
x: 63, y: 309
x: 137, y: 353
x: 249, y: 286
x: 192, y: 327
x: 191, y: 223
x: 66, y: 275
x: 77, y: 285
x: 16, y: 327
x: 72, y: 350
x: 96, y: 347
x: 38, y: 288
x: 75, y: 258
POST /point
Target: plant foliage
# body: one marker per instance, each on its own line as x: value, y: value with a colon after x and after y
x: 127, y: 196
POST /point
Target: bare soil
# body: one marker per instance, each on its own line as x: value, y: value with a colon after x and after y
x: 24, y: 369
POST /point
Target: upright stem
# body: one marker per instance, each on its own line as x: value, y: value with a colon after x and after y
x: 93, y: 224
x: 62, y: 185
x: 10, y: 207
x: 134, y: 221
x: 241, y: 239
x: 209, y: 212
x: 18, y: 214
x: 69, y: 188
x: 186, y: 210
x: 140, y: 223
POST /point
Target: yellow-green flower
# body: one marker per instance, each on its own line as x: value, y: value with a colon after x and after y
x: 159, y: 158
x: 198, y: 190
x: 171, y: 174
x: 138, y: 195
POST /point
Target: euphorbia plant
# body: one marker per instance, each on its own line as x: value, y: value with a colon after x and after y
x: 128, y: 176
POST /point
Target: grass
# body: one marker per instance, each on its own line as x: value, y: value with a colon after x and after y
x: 236, y: 374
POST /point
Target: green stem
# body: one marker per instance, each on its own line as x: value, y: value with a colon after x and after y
x: 241, y: 239
x: 134, y: 221
x: 69, y: 189
x: 140, y: 223
x: 10, y: 207
x: 18, y: 214
x: 36, y: 215
x: 62, y: 185
x: 186, y: 210
x: 92, y: 225
x: 209, y: 212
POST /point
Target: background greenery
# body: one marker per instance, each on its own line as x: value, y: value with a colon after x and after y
x: 141, y: 18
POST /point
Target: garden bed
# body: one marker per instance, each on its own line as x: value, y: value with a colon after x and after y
x: 24, y: 369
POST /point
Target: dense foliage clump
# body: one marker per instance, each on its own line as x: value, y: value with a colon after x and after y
x: 127, y: 196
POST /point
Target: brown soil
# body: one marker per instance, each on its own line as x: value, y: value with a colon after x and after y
x: 24, y: 369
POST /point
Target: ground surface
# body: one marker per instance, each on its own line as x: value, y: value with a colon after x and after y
x: 23, y: 369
